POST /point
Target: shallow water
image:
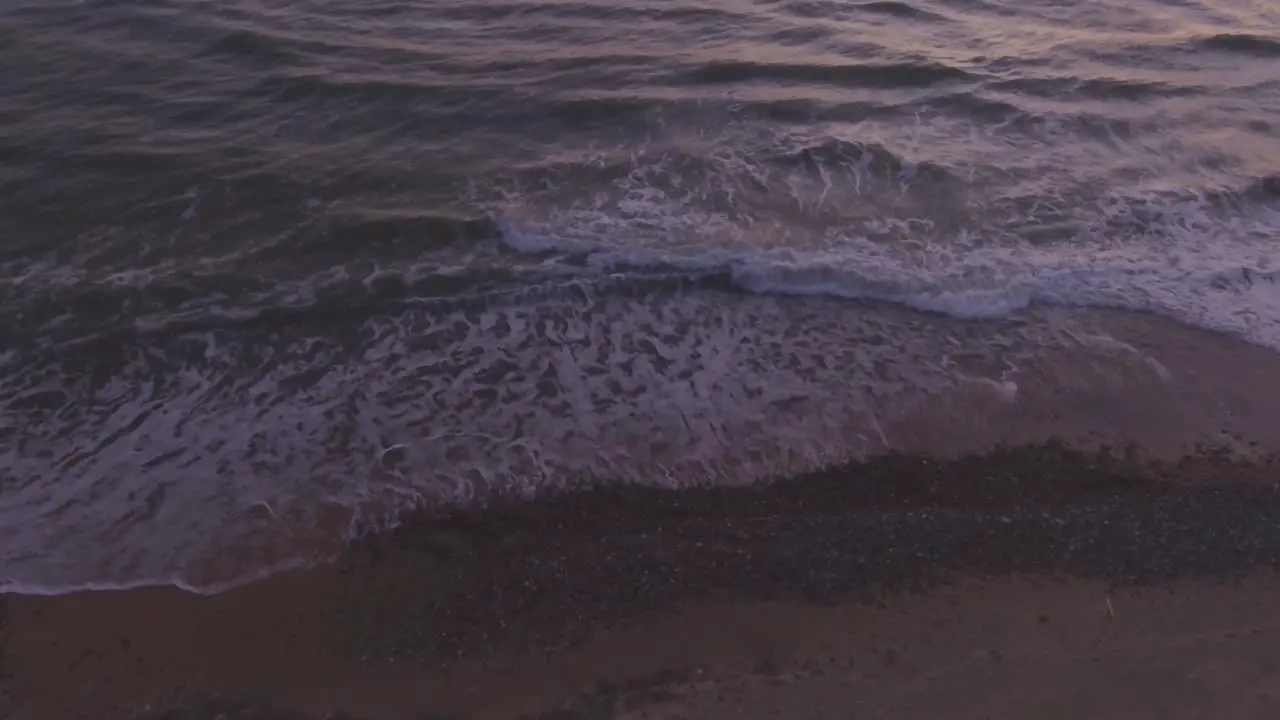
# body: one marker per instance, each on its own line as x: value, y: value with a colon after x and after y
x: 274, y: 272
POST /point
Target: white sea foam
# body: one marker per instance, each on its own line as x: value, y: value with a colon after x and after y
x: 249, y: 575
x: 1187, y: 261
x: 206, y: 457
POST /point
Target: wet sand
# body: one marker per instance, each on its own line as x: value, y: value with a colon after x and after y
x: 1032, y: 582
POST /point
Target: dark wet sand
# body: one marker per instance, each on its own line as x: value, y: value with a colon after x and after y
x: 1035, y: 582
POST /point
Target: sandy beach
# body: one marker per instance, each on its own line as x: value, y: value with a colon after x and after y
x: 638, y: 359
x: 1033, y: 582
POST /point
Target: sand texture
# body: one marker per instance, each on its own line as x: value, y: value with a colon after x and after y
x: 1037, y: 582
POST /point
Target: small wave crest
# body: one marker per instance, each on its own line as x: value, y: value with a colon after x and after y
x: 882, y: 75
x: 858, y: 221
x: 1243, y: 43
x: 897, y: 9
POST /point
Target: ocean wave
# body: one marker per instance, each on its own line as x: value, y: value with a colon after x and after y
x: 1094, y: 88
x: 1243, y: 43
x: 1229, y: 289
x: 871, y: 159
x: 1204, y: 259
x: 1264, y: 188
x: 878, y: 75
x: 897, y: 9
x: 827, y: 10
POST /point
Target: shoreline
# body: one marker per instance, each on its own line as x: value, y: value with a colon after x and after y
x: 518, y: 585
x: 1089, y: 379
